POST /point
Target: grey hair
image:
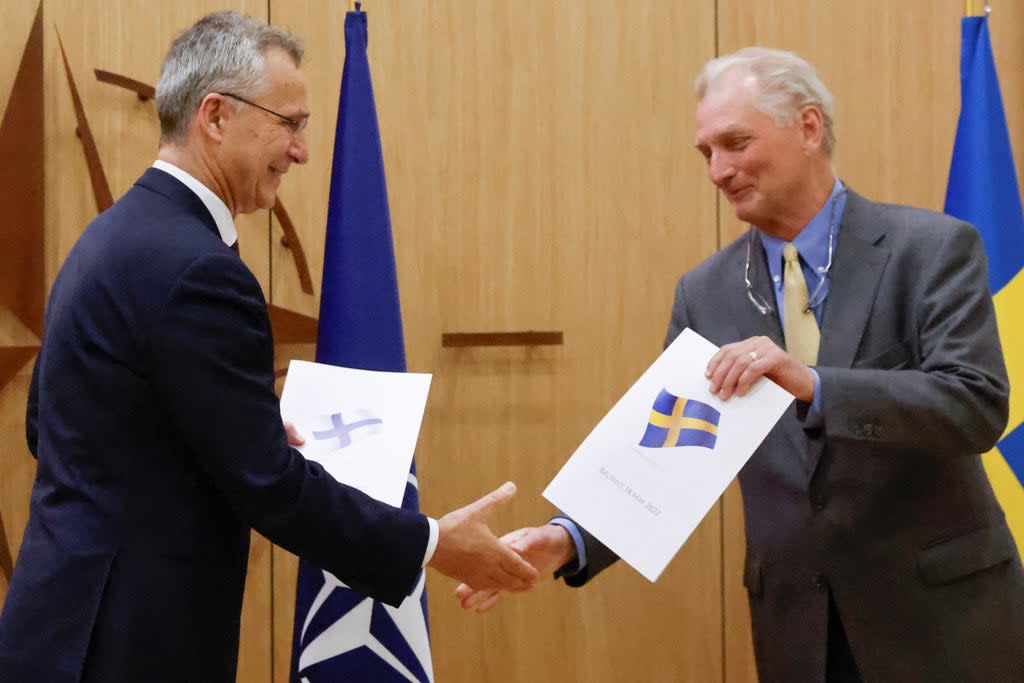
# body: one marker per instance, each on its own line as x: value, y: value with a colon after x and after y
x: 222, y: 52
x: 786, y: 84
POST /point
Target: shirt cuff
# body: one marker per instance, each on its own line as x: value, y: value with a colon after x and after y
x: 435, y: 533
x: 815, y: 414
x: 577, y: 539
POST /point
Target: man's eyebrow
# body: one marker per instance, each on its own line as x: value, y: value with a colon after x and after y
x: 732, y: 130
x: 729, y: 132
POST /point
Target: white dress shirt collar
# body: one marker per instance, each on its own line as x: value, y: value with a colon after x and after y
x: 214, y: 204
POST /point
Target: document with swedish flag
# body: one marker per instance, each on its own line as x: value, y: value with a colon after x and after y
x: 651, y: 469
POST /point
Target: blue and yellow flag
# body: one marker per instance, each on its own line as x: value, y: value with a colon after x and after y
x: 679, y: 421
x: 983, y: 190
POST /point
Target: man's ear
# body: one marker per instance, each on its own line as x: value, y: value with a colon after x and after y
x: 812, y: 126
x: 213, y: 113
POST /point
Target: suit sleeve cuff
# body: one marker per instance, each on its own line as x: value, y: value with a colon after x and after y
x: 435, y: 534
x: 580, y: 563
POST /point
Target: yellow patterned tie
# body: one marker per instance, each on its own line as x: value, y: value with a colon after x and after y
x: 801, y: 328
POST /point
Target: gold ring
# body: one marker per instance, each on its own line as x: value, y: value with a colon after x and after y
x: 753, y: 355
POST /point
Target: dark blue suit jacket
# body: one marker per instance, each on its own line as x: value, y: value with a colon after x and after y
x: 153, y: 416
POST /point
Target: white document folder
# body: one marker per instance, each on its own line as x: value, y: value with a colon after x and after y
x: 655, y: 464
x: 361, y: 425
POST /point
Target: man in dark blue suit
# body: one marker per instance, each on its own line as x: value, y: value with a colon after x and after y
x: 153, y: 416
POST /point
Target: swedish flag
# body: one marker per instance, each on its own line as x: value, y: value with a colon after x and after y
x: 679, y: 421
x: 983, y: 190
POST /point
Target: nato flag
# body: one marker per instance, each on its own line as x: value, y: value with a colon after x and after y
x: 339, y: 634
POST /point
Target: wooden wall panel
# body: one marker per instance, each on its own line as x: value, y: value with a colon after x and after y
x: 17, y: 17
x: 16, y: 466
x: 893, y: 68
x: 541, y: 176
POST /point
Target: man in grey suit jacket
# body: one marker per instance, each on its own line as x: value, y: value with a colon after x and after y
x: 876, y: 550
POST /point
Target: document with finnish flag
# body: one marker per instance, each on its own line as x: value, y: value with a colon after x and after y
x: 361, y: 425
x: 651, y: 469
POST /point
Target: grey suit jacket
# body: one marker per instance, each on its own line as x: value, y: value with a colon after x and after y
x: 887, y: 505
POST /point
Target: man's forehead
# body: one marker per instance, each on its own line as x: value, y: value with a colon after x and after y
x: 285, y: 80
x: 727, y: 107
x: 720, y: 116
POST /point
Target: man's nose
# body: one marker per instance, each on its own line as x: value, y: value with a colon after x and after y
x: 720, y: 168
x: 299, y: 150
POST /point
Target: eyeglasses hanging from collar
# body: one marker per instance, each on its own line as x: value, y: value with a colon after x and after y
x: 817, y: 297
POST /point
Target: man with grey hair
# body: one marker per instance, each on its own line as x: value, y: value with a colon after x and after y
x: 153, y: 416
x: 876, y: 550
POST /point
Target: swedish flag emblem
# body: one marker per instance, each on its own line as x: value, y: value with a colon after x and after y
x: 679, y: 421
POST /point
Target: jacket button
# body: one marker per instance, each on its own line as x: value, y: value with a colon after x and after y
x: 818, y: 502
x: 820, y: 581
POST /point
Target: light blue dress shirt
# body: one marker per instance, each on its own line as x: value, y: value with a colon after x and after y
x: 812, y: 244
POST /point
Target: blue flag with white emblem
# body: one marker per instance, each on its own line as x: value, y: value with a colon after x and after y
x: 339, y: 634
x: 983, y: 190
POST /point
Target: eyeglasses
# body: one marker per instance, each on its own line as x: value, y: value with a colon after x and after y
x: 294, y: 125
x: 817, y: 297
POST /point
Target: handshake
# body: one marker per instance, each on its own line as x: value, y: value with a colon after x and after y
x: 488, y: 566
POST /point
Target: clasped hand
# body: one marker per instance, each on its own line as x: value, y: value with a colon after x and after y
x: 468, y: 552
x: 546, y: 548
x: 466, y: 549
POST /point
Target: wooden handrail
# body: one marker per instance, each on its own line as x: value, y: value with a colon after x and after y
x: 529, y: 338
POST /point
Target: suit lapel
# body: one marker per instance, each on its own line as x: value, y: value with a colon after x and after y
x: 858, y: 266
x: 755, y: 323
